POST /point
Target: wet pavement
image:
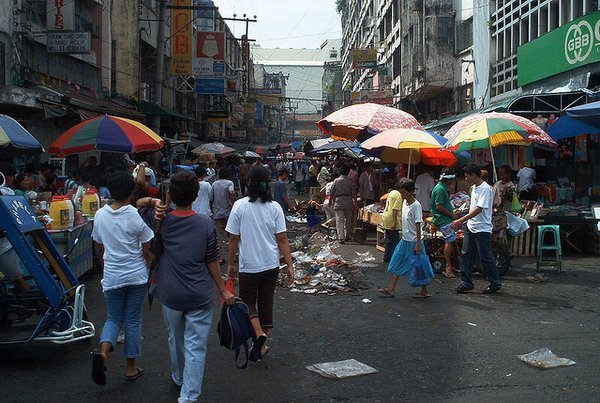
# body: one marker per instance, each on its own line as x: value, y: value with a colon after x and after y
x: 449, y: 347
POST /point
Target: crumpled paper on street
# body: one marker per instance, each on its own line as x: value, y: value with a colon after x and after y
x: 544, y: 358
x: 341, y: 369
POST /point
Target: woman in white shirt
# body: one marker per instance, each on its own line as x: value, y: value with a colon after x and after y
x: 257, y: 226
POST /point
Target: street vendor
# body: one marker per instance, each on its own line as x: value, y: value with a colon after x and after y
x: 366, y: 185
x: 504, y: 189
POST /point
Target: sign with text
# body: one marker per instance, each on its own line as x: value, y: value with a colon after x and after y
x: 181, y: 33
x: 364, y: 58
x: 60, y: 15
x: 566, y: 48
x: 69, y: 42
x: 237, y: 134
x: 210, y: 86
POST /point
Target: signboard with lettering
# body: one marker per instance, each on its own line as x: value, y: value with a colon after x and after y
x: 217, y: 116
x: 566, y: 48
x: 364, y: 58
x: 210, y: 44
x: 69, y: 42
x: 181, y: 33
x: 60, y: 15
x: 208, y: 86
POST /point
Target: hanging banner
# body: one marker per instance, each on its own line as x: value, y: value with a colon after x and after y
x: 181, y: 34
x: 60, y: 15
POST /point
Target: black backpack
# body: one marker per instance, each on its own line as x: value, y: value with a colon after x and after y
x: 235, y: 329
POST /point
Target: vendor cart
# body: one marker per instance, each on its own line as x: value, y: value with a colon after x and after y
x: 55, y: 287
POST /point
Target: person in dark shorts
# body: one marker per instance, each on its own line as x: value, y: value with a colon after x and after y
x: 257, y: 227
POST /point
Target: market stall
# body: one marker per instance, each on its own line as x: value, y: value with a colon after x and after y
x: 76, y: 241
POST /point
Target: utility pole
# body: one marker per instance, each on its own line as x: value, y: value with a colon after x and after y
x: 160, y: 63
x: 245, y: 43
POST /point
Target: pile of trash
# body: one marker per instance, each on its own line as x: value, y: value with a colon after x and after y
x: 320, y: 270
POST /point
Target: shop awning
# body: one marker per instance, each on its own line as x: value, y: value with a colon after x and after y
x: 442, y: 125
x: 583, y: 119
x: 151, y: 109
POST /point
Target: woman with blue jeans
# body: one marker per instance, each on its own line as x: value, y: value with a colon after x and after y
x: 188, y: 269
x: 124, y: 253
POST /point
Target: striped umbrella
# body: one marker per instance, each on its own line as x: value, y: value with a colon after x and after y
x: 107, y: 133
x: 490, y: 130
x: 362, y: 121
x: 15, y: 136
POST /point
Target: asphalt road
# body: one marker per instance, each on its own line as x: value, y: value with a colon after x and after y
x: 449, y: 347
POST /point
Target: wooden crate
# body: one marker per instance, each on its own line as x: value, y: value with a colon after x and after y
x: 364, y: 214
x: 376, y: 218
x: 526, y: 243
x: 380, y: 239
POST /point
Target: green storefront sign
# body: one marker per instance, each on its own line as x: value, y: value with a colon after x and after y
x: 566, y: 48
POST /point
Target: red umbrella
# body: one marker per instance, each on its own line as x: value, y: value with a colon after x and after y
x: 362, y: 121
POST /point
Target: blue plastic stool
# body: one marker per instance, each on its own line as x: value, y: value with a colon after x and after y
x: 554, y: 246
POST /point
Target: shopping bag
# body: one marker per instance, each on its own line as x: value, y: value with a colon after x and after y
x: 421, y: 273
x: 515, y: 205
x: 516, y: 225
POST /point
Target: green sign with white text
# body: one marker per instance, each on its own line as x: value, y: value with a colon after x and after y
x: 566, y: 48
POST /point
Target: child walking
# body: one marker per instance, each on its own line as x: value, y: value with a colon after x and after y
x: 403, y: 260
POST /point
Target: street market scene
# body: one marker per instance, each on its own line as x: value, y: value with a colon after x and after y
x: 359, y: 200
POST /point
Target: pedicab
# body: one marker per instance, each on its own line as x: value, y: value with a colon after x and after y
x: 56, y: 288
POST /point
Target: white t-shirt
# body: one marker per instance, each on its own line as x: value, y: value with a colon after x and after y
x: 526, y: 177
x: 122, y: 232
x: 221, y: 190
x: 257, y: 225
x: 202, y: 203
x: 424, y: 185
x: 481, y: 196
x: 412, y: 215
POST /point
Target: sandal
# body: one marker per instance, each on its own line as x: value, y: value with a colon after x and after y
x: 449, y: 275
x: 385, y: 293
x: 419, y: 295
x: 138, y: 373
x: 256, y: 351
x: 98, y: 368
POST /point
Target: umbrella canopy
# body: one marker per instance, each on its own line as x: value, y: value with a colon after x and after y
x: 251, y: 154
x: 107, y: 133
x: 489, y: 130
x: 262, y: 150
x: 218, y: 149
x: 333, y: 146
x: 410, y: 146
x: 583, y: 119
x: 13, y: 135
x: 362, y: 121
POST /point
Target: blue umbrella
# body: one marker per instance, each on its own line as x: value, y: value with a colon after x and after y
x: 583, y: 119
x: 12, y: 134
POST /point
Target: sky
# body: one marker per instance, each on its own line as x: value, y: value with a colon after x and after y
x: 285, y: 23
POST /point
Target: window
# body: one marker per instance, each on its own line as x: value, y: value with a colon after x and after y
x: 333, y: 54
x: 464, y: 35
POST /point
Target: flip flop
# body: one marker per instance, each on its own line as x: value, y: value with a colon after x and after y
x: 385, y: 293
x: 138, y: 373
x: 419, y: 295
x: 449, y: 275
x: 265, y: 350
x: 98, y: 369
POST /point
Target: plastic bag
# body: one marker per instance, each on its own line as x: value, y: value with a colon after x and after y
x: 421, y: 273
x: 544, y: 358
x: 230, y: 286
x: 516, y: 204
x: 516, y: 225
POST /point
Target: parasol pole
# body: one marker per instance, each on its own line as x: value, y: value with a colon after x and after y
x: 494, y: 175
x: 409, y: 161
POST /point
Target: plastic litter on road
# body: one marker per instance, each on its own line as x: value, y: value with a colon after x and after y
x: 341, y: 369
x: 544, y: 358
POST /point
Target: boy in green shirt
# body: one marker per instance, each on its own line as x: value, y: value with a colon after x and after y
x: 443, y: 215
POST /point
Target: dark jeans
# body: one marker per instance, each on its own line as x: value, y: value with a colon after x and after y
x: 392, y: 237
x: 474, y: 243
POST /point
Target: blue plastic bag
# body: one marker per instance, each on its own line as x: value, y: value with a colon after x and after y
x: 421, y: 273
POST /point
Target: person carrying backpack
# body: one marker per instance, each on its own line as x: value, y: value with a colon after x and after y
x: 184, y: 284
